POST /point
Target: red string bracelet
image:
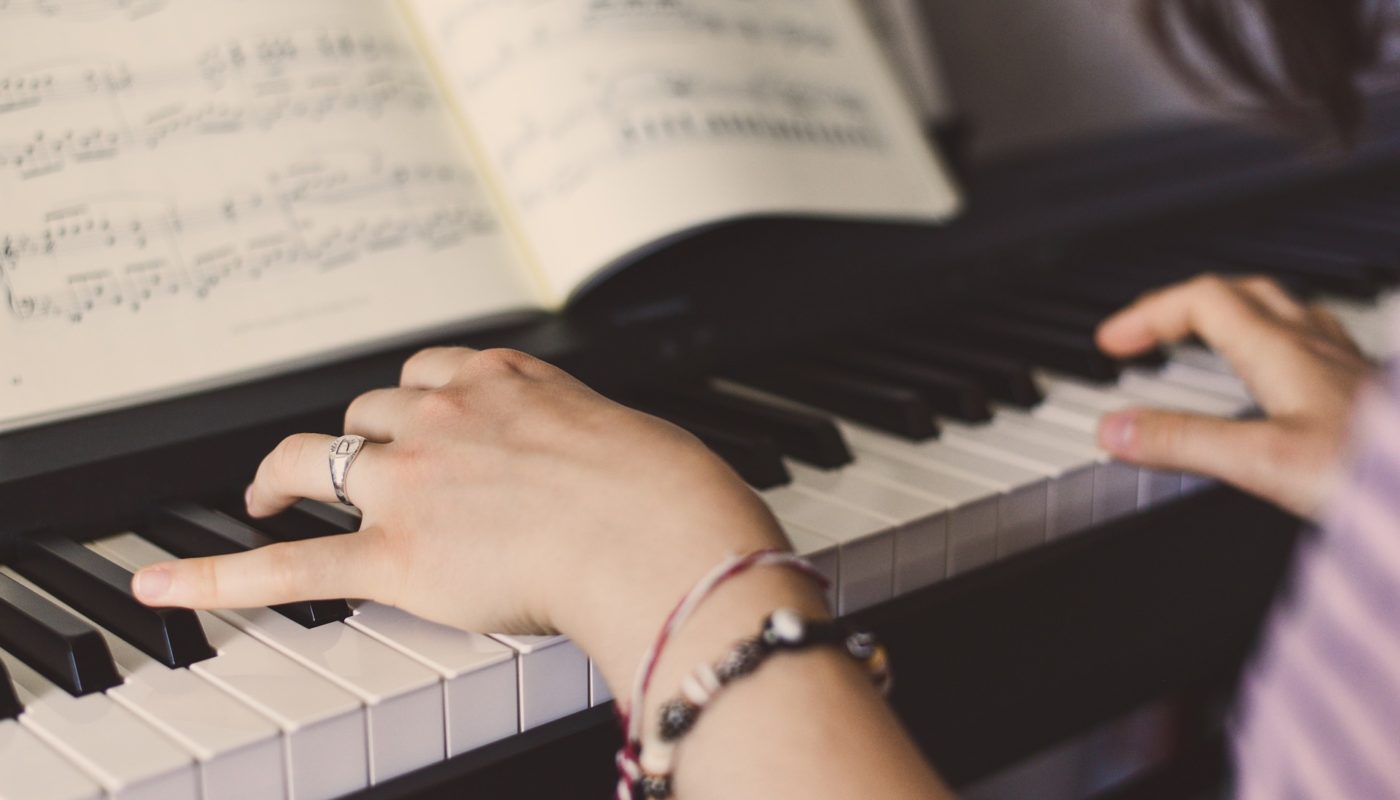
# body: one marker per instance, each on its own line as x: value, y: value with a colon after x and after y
x: 629, y: 770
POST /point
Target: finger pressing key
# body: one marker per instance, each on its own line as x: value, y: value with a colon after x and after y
x: 299, y: 467
x: 1229, y: 319
x: 348, y: 565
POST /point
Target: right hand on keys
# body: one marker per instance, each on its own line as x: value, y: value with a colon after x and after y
x: 499, y: 494
x: 1298, y: 362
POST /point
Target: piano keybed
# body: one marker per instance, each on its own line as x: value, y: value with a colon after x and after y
x: 893, y: 459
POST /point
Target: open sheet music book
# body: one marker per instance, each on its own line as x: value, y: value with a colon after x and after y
x: 198, y: 191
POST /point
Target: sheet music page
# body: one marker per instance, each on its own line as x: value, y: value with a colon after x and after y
x: 192, y: 190
x: 610, y: 124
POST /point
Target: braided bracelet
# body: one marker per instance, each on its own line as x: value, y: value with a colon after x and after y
x: 630, y: 716
x: 783, y: 630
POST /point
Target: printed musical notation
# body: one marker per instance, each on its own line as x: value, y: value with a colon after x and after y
x: 652, y: 108
x: 522, y: 28
x: 659, y: 75
x: 96, y: 9
x: 87, y: 110
x: 125, y: 252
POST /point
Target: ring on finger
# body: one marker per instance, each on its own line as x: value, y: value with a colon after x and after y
x: 344, y: 450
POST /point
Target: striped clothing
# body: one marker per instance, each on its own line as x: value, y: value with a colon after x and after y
x: 1320, y: 712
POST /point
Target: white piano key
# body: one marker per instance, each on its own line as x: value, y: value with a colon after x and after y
x: 1366, y: 322
x: 128, y: 758
x: 866, y: 543
x: 1136, y: 388
x: 921, y: 537
x: 1119, y: 488
x: 1156, y: 391
x: 973, y: 508
x: 1206, y: 380
x: 822, y: 552
x: 1070, y: 497
x: 1116, y: 483
x: 1195, y: 483
x: 598, y: 691
x: 478, y: 673
x: 326, y: 749
x: 1024, y: 494
x: 403, y: 699
x: 552, y: 675
x: 238, y: 751
x: 1201, y: 358
x: 31, y: 770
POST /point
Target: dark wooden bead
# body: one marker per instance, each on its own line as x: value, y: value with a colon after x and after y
x: 677, y: 718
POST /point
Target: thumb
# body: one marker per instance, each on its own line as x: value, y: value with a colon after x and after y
x: 1233, y: 451
x: 326, y: 568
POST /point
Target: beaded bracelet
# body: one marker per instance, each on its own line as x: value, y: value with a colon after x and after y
x: 630, y: 717
x: 783, y: 630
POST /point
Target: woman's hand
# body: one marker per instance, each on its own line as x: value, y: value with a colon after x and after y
x: 499, y: 494
x: 1297, y: 360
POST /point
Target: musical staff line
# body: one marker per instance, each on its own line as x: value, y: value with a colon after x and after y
x: 110, y: 253
x: 254, y: 83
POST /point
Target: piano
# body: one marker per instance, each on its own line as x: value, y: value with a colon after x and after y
x: 916, y: 406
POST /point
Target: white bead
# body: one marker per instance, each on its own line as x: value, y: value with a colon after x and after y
x: 705, y: 673
x: 700, y: 686
x: 786, y: 625
x: 657, y: 757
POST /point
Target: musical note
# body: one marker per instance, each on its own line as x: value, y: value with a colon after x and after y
x: 114, y: 253
x: 248, y: 83
x: 132, y: 10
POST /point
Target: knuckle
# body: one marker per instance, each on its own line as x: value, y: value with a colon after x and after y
x: 502, y: 361
x: 439, y: 405
x: 1260, y: 282
x: 418, y: 360
x: 1209, y: 284
x: 356, y: 408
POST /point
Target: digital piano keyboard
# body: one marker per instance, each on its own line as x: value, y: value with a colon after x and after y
x: 916, y: 407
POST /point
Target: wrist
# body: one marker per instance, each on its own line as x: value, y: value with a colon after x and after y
x: 626, y: 614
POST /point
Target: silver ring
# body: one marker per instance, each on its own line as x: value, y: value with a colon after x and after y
x: 344, y: 450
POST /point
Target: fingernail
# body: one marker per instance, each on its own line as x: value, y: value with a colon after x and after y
x: 1117, y: 433
x: 248, y: 496
x: 152, y: 584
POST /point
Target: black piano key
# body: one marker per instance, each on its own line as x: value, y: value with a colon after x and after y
x: 1382, y: 245
x: 886, y: 406
x: 949, y: 393
x: 1161, y: 270
x: 1049, y: 312
x: 806, y: 437
x: 1330, y: 274
x: 101, y: 591
x: 1132, y: 272
x: 1064, y: 316
x: 191, y: 531
x: 1375, y: 255
x: 305, y: 519
x: 1006, y: 379
x: 58, y: 645
x: 1069, y: 352
x: 1105, y: 295
x: 9, y: 700
x: 753, y: 455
